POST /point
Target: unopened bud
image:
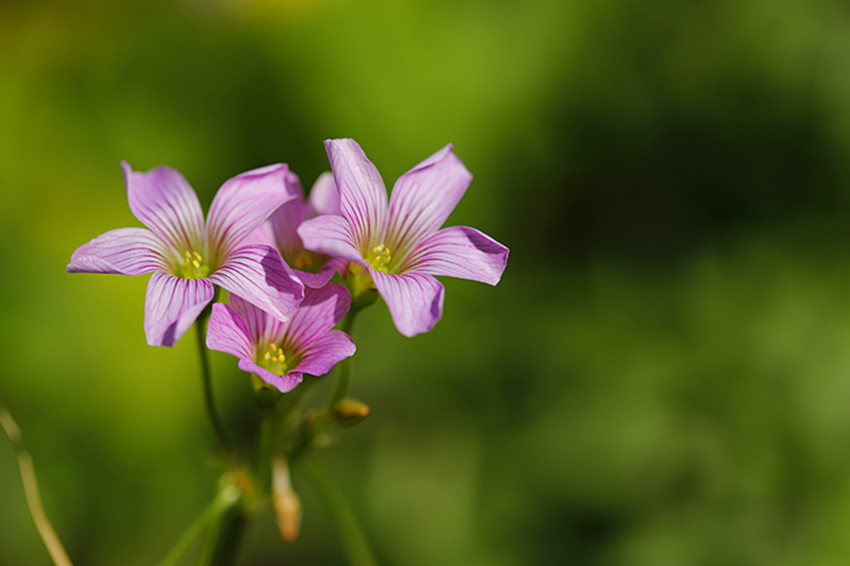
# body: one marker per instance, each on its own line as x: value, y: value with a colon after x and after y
x: 350, y: 411
x: 286, y: 504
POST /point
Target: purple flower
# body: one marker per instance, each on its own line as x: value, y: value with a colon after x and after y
x: 401, y: 246
x: 187, y: 255
x: 279, y: 352
x: 280, y: 230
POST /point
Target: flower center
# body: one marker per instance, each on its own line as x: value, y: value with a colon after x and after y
x: 379, y: 258
x: 193, y: 266
x: 274, y: 360
x: 303, y: 260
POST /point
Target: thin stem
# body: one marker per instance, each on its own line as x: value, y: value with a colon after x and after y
x: 344, y: 365
x: 206, y: 378
x: 228, y: 538
x: 352, y: 535
x: 224, y: 500
x: 39, y: 517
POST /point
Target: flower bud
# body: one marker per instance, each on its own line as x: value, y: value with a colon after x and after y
x: 349, y: 411
x: 286, y: 504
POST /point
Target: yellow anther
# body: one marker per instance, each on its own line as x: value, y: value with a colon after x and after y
x: 196, y: 263
x: 267, y: 356
x: 379, y: 258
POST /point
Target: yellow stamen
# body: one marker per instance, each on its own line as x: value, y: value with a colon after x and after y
x: 379, y: 258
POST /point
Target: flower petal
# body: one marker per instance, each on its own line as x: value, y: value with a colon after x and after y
x: 415, y: 300
x: 284, y: 383
x: 325, y: 352
x: 362, y: 194
x: 283, y: 222
x: 320, y: 310
x: 261, y: 327
x: 332, y: 236
x: 462, y: 252
x: 128, y: 251
x: 324, y: 197
x: 316, y: 280
x: 171, y: 306
x: 243, y: 202
x: 227, y: 332
x: 259, y: 275
x: 423, y: 198
x: 164, y: 202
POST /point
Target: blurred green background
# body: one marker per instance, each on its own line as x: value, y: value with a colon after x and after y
x: 662, y: 376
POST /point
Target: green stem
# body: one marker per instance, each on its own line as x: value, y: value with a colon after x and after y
x: 224, y: 500
x: 353, y: 538
x: 39, y: 517
x: 262, y: 467
x: 228, y: 538
x: 206, y: 378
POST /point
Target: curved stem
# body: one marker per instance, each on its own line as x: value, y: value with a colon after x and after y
x: 206, y: 378
x: 39, y: 517
x: 224, y: 500
x: 353, y: 538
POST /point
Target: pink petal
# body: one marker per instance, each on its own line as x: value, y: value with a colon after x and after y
x: 228, y: 333
x: 284, y: 383
x: 283, y: 223
x: 243, y: 202
x: 423, y: 198
x: 362, y: 194
x: 320, y: 310
x: 324, y: 197
x: 261, y: 327
x: 325, y: 352
x: 128, y: 251
x: 172, y: 305
x: 259, y: 275
x: 415, y: 300
x: 164, y: 202
x: 316, y: 280
x: 332, y: 236
x: 462, y: 252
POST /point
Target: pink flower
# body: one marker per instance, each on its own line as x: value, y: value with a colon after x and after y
x: 187, y: 255
x: 400, y: 247
x: 280, y: 352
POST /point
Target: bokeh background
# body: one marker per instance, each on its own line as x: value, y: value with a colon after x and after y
x: 662, y: 376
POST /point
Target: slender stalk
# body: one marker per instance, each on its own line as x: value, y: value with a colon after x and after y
x: 224, y: 500
x: 206, y: 378
x: 229, y: 536
x: 353, y: 538
x: 39, y: 517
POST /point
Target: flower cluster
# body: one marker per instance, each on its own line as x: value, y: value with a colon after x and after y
x: 276, y: 254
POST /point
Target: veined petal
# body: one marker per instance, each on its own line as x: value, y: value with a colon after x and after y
x: 332, y: 236
x: 320, y: 310
x: 171, y: 306
x: 259, y: 275
x: 128, y: 251
x: 325, y: 352
x: 243, y: 202
x: 462, y: 252
x: 283, y: 223
x: 284, y: 383
x: 227, y: 332
x: 415, y: 300
x: 164, y: 202
x: 316, y: 280
x: 324, y: 197
x: 362, y: 194
x: 261, y: 327
x: 423, y: 198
